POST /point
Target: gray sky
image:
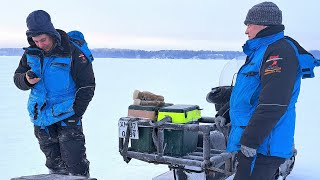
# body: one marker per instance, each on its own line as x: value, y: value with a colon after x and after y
x: 158, y: 24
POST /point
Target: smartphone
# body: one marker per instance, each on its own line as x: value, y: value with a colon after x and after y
x: 31, y: 74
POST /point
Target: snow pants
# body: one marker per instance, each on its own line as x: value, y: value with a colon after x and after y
x: 63, y: 144
x: 264, y: 167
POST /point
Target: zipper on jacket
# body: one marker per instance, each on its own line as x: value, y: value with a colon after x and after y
x: 248, y: 61
x: 59, y: 64
x: 35, y: 111
x: 268, y: 146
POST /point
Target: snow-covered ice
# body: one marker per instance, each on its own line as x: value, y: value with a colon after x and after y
x: 180, y: 81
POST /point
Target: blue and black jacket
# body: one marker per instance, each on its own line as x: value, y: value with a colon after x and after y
x: 262, y: 104
x: 67, y: 82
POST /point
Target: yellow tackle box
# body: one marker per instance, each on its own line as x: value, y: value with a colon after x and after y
x: 180, y: 113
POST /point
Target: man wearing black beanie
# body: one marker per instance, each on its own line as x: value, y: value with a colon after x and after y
x: 262, y: 103
x: 62, y: 84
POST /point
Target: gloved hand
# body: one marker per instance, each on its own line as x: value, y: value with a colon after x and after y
x: 220, y: 121
x: 247, y: 151
x: 214, y: 95
x: 219, y: 95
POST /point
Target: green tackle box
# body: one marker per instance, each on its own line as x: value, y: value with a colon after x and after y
x: 180, y: 142
x: 180, y: 113
x: 176, y: 142
x: 145, y: 142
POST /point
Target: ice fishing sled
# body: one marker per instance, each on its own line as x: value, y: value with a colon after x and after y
x: 52, y: 177
x: 179, y: 137
x: 192, y: 146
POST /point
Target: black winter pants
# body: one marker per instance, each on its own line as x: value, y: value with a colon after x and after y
x: 64, y: 147
x: 265, y: 167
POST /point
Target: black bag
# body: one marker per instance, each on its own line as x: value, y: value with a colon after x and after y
x: 219, y: 96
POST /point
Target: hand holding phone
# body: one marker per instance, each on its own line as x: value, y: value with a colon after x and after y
x: 31, y: 74
x: 32, y: 77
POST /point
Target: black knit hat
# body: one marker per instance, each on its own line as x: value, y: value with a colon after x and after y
x: 265, y: 13
x: 39, y: 22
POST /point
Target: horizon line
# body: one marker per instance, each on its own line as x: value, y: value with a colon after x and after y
x: 153, y: 50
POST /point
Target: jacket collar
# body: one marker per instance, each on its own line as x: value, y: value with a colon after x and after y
x: 270, y: 30
x: 264, y: 38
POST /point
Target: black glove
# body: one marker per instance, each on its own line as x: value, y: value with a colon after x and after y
x: 219, y: 95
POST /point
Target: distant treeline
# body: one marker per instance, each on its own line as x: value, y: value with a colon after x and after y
x: 165, y: 54
x: 162, y: 54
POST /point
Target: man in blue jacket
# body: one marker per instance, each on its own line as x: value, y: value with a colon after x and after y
x: 262, y: 103
x: 62, y: 84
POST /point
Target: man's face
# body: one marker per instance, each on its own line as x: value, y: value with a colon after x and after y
x: 252, y: 30
x: 44, y: 42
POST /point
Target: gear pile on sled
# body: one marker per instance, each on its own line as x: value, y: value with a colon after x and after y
x: 175, y: 135
x: 192, y: 146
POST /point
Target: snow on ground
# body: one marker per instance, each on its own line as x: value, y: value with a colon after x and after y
x: 180, y: 81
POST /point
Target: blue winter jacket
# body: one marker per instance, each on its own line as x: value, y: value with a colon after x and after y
x: 67, y: 82
x: 252, y: 121
x: 51, y: 99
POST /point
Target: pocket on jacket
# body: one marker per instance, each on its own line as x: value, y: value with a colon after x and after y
x: 33, y: 109
x: 62, y: 108
x: 244, y: 94
x: 57, y: 76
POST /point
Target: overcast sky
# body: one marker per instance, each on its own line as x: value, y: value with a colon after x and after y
x: 158, y: 24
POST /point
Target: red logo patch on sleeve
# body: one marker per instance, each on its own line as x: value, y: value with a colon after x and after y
x: 273, y: 57
x: 274, y: 63
x: 273, y: 67
x: 83, y: 58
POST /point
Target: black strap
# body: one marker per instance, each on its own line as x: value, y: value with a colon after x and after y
x: 166, y: 119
